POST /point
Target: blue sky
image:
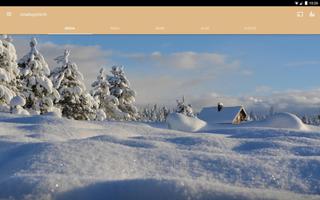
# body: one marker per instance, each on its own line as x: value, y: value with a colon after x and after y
x: 227, y: 65
x: 279, y: 61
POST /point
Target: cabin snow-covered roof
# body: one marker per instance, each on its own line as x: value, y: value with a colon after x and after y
x: 226, y: 115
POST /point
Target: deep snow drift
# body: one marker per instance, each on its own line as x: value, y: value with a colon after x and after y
x: 44, y: 157
x: 180, y: 122
x: 281, y: 120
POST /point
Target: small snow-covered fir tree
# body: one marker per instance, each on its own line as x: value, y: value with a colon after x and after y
x: 120, y: 88
x: 271, y: 111
x: 153, y: 114
x: 164, y: 113
x: 107, y: 102
x: 75, y: 101
x: 37, y: 88
x: 144, y: 114
x: 304, y: 119
x: 184, y: 108
x: 253, y: 116
x: 8, y: 73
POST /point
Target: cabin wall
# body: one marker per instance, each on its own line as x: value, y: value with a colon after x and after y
x: 243, y: 116
x: 237, y: 120
x: 240, y: 117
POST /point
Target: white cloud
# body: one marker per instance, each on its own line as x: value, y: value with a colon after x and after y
x: 88, y: 58
x: 181, y: 73
x: 189, y: 60
x: 262, y: 89
x: 247, y: 72
x: 162, y: 89
x: 296, y: 101
x: 156, y: 55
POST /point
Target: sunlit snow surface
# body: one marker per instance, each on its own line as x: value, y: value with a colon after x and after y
x: 44, y: 157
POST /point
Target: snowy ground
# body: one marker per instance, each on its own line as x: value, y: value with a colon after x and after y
x: 43, y: 157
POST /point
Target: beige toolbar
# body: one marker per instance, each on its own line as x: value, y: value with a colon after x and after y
x: 160, y: 20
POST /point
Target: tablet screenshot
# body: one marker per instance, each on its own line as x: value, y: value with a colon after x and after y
x: 160, y: 102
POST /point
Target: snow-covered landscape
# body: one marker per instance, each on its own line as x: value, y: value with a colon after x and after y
x: 46, y: 157
x: 61, y: 138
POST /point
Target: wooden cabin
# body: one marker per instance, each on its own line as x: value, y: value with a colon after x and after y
x: 223, y: 115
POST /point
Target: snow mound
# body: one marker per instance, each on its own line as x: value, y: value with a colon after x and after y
x: 17, y: 101
x: 48, y: 118
x: 281, y: 120
x: 160, y: 189
x: 182, y: 122
x: 54, y: 113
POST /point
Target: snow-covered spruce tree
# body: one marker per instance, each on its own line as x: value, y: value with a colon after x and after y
x: 184, y: 108
x: 107, y: 102
x: 144, y: 114
x: 37, y: 88
x: 8, y: 73
x: 164, y: 113
x: 120, y: 88
x: 75, y: 101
